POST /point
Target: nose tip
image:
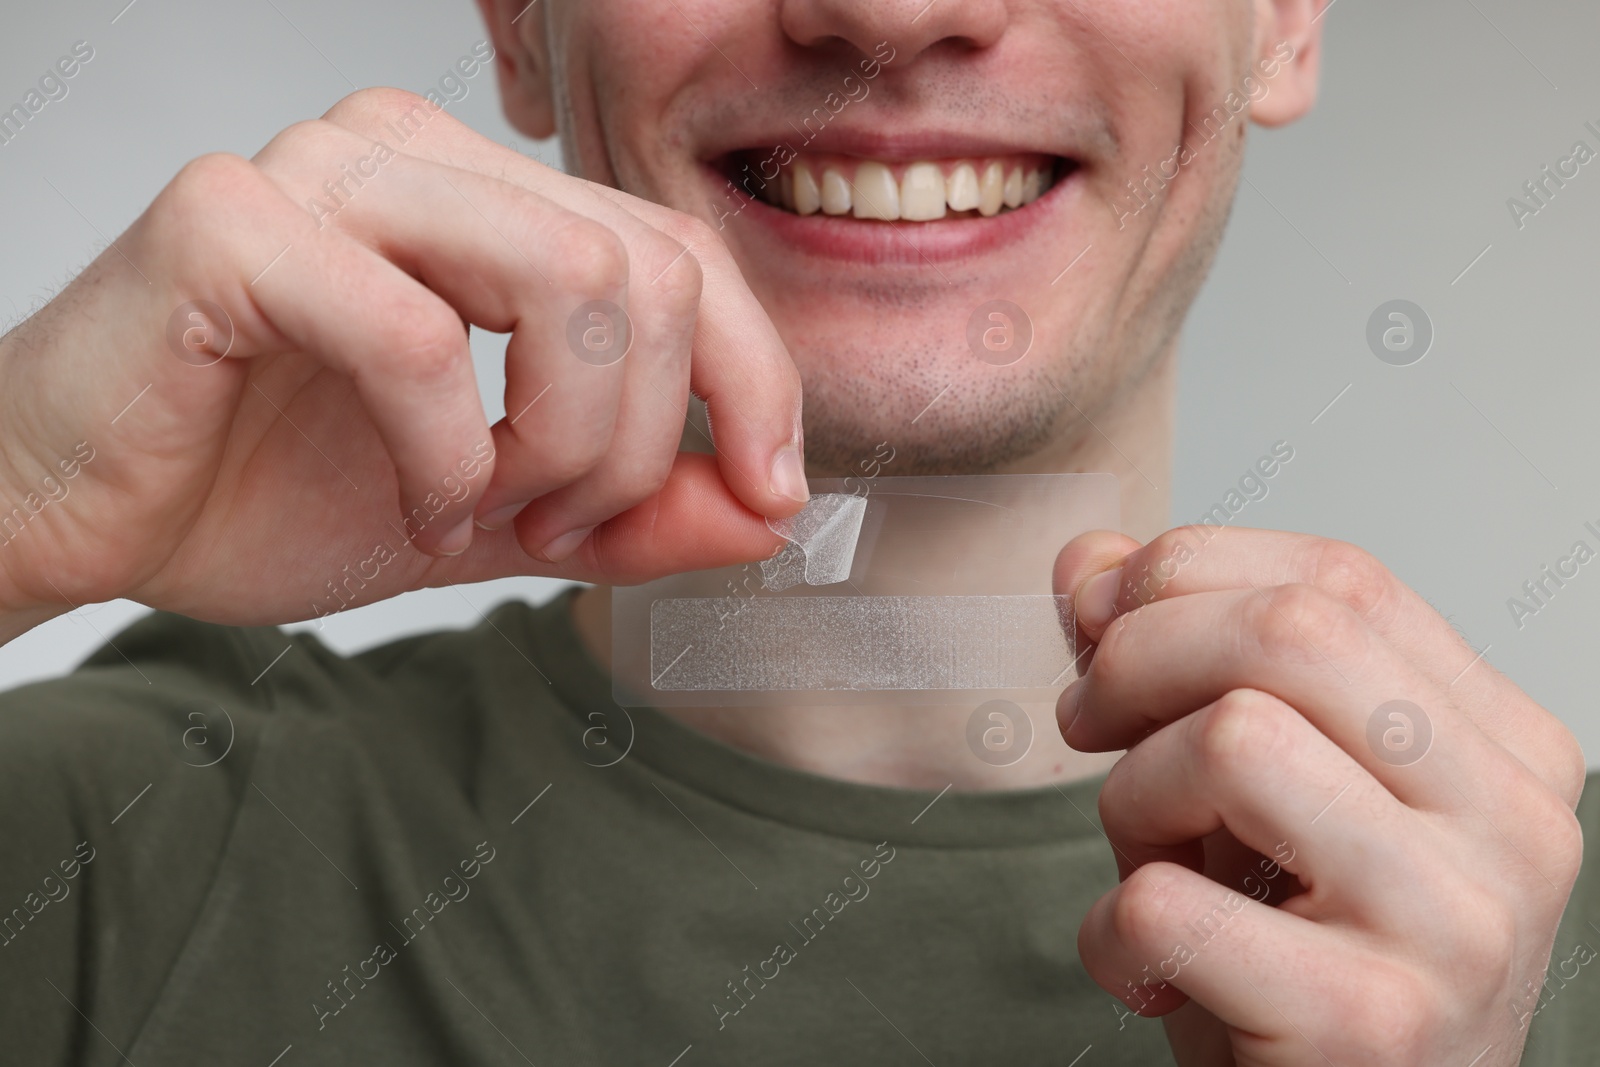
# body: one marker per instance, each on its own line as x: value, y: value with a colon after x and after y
x: 909, y: 27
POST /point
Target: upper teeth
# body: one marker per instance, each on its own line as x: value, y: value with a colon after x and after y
x: 924, y: 191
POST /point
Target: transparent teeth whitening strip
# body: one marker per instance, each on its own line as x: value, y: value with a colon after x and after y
x: 890, y: 590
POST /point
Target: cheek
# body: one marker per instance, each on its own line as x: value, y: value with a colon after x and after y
x: 616, y: 67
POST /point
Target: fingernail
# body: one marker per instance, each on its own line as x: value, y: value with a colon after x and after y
x: 1097, y: 600
x: 1068, y: 705
x: 565, y: 545
x: 789, y: 475
x: 500, y: 516
x: 456, y: 541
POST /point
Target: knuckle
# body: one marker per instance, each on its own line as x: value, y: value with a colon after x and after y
x: 368, y: 107
x: 1106, y: 669
x: 620, y: 482
x: 1194, y: 535
x: 594, y: 261
x: 646, y: 481
x: 1244, y: 726
x: 1560, y: 834
x: 1569, y: 770
x: 205, y: 183
x: 679, y: 281
x: 1576, y: 772
x: 1122, y: 804
x: 700, y: 237
x: 576, y: 456
x: 1145, y: 907
x: 1392, y: 1018
x: 1159, y: 563
x: 1354, y: 576
x: 1115, y: 794
x: 1301, y: 623
x: 1481, y: 942
x: 1115, y: 670
x: 311, y: 137
x: 193, y: 223
x: 429, y: 342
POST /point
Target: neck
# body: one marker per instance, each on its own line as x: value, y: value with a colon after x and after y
x: 924, y: 747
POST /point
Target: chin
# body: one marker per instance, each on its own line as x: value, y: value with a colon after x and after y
x: 975, y: 420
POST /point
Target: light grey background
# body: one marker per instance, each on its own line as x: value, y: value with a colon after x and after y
x: 1465, y: 472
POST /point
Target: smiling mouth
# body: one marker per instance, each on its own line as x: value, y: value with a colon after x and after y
x: 901, y: 190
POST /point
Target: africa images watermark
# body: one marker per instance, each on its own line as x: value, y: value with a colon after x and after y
x: 1540, y: 190
x: 52, y: 86
x: 1251, y: 90
x: 455, y: 890
x: 740, y: 994
x: 453, y: 87
x: 55, y: 889
x: 999, y: 733
x: 1204, y: 930
x: 1539, y: 993
x: 1253, y: 487
x: 739, y: 192
x: 1541, y: 589
x: 345, y: 590
x: 15, y: 518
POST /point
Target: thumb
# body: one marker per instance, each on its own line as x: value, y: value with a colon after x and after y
x: 1088, y: 570
x: 693, y: 523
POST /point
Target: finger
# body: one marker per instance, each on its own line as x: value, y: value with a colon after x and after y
x: 1172, y: 657
x: 644, y: 339
x: 742, y: 370
x: 1249, y: 764
x: 509, y: 261
x: 694, y: 523
x: 1196, y: 559
x: 741, y: 367
x: 513, y: 262
x: 1082, y: 558
x: 1087, y: 555
x: 292, y: 287
x: 649, y: 426
x: 1311, y: 653
x: 1167, y: 934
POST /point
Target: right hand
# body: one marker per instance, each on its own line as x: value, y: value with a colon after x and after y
x: 345, y: 415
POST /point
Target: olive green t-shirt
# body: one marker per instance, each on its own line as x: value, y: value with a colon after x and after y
x: 235, y: 846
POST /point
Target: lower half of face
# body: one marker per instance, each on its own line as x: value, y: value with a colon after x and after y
x: 976, y: 231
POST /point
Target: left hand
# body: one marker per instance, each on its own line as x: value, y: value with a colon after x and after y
x: 1307, y: 878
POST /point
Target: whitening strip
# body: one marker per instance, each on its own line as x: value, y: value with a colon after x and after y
x: 862, y: 643
x: 822, y: 543
x: 887, y: 591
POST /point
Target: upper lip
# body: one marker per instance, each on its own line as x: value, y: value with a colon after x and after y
x: 895, y: 146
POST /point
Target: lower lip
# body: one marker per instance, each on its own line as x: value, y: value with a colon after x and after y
x: 844, y: 237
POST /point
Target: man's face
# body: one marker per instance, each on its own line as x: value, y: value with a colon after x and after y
x: 784, y: 122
